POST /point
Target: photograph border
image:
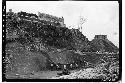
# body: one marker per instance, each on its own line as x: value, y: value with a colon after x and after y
x: 56, y: 80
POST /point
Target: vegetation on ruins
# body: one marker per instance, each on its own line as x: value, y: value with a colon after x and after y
x: 40, y: 44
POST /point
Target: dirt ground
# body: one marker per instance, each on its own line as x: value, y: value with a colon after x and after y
x: 35, y: 75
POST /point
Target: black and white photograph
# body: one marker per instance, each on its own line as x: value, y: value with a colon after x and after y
x: 66, y: 40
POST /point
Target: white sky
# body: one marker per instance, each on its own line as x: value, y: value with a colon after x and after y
x: 102, y: 16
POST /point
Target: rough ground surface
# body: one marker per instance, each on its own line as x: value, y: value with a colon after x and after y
x: 99, y: 72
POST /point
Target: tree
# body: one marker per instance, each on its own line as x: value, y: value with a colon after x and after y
x: 82, y: 20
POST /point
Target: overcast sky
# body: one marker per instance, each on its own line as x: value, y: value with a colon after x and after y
x: 102, y: 17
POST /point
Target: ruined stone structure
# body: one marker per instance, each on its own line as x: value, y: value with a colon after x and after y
x: 102, y: 44
x: 42, y: 17
x: 50, y: 18
x: 100, y: 37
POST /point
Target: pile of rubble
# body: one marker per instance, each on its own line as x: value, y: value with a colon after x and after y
x: 88, y: 73
x: 99, y: 72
